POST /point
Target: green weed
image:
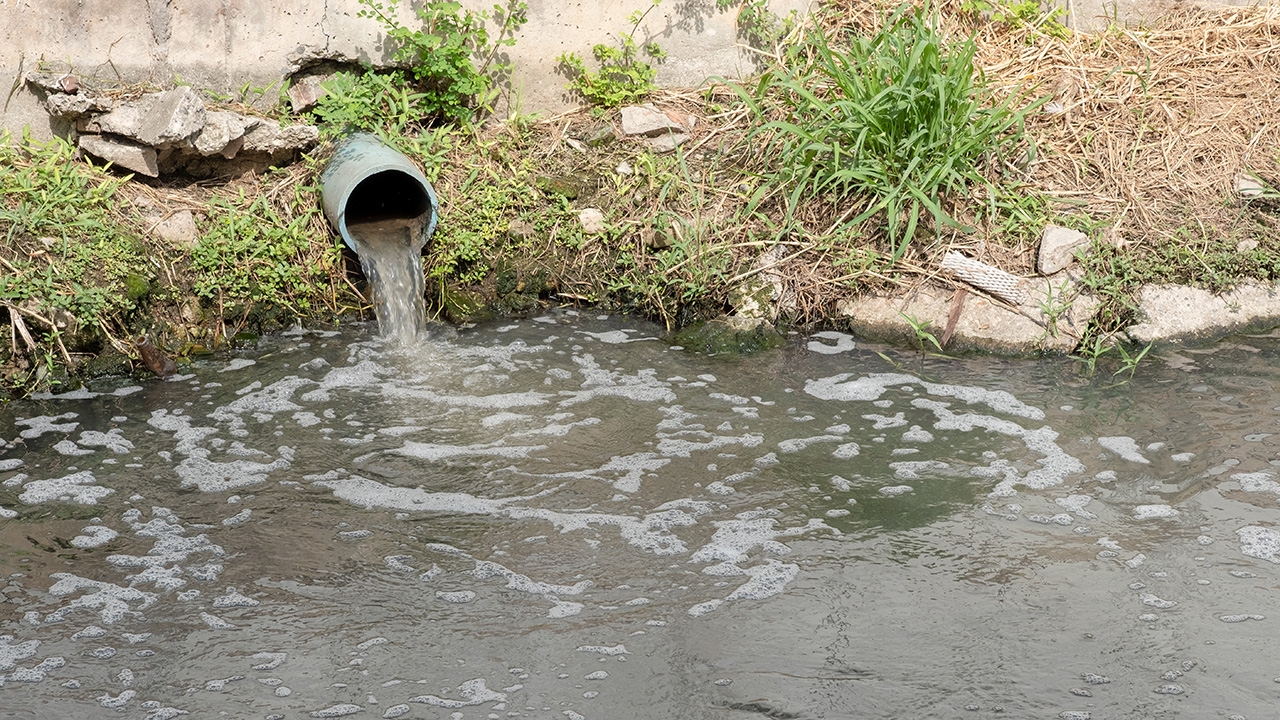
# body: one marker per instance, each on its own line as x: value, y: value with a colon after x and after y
x: 623, y: 77
x: 442, y: 54
x: 896, y: 121
x: 921, y: 329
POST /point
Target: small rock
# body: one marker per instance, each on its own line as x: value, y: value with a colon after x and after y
x: 1057, y: 248
x: 48, y: 81
x: 592, y: 221
x: 223, y: 133
x: 575, y: 144
x: 73, y: 107
x: 624, y: 168
x: 667, y: 142
x: 304, y: 94
x: 648, y: 121
x: 178, y: 229
x: 1246, y: 245
x: 271, y: 139
x: 520, y: 230
x: 1248, y: 186
x: 599, y: 136
x: 123, y: 153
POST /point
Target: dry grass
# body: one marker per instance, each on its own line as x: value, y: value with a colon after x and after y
x: 1154, y: 124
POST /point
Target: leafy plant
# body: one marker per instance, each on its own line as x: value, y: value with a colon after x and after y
x: 1055, y: 305
x: 371, y: 101
x: 442, y: 55
x: 897, y: 121
x: 622, y: 77
x: 921, y: 328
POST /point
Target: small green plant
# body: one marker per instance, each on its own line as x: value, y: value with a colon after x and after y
x: 1129, y: 361
x: 763, y: 30
x: 921, y: 328
x: 371, y: 101
x: 622, y: 77
x: 899, y: 121
x: 1055, y: 304
x: 441, y: 56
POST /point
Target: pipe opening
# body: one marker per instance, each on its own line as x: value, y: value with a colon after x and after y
x: 388, y: 195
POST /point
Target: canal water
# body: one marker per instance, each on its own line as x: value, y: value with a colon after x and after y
x: 564, y: 517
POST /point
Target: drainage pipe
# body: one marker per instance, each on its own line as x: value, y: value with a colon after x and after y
x: 367, y: 182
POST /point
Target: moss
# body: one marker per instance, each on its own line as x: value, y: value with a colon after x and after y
x: 729, y: 336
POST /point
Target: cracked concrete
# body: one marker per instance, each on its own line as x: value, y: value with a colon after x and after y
x: 224, y: 45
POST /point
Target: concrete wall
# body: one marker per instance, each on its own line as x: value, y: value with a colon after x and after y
x: 223, y: 45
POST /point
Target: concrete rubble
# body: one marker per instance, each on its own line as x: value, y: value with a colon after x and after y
x: 165, y: 131
x: 1178, y: 312
x: 661, y: 130
x: 1058, y: 246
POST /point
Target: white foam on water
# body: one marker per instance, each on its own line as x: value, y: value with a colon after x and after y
x: 1182, y: 457
x: 1260, y: 542
x: 734, y: 539
x: 1155, y: 601
x: 112, y: 602
x: 883, y: 422
x: 911, y: 469
x: 1149, y: 512
x: 94, y: 536
x: 273, y: 660
x: 474, y: 692
x: 335, y: 711
x: 11, y: 463
x: 42, y: 424
x: 112, y: 440
x: 871, y: 387
x: 917, y: 435
x: 74, y: 488
x: 238, y: 364
x: 211, y: 476
x: 846, y: 451
x: 234, y: 599
x: 36, y: 674
x: 486, y: 569
x: 1241, y: 618
x: 767, y: 580
x: 214, y: 622
x: 843, y: 343
x: 458, y: 597
x: 432, y: 451
x: 502, y: 418
x: 794, y: 445
x: 895, y: 490
x: 10, y: 654
x: 69, y: 448
x: 609, y: 650
x: 615, y: 337
x: 1257, y: 482
x: 239, y: 518
x: 703, y: 608
x: 1125, y: 447
x: 564, y: 608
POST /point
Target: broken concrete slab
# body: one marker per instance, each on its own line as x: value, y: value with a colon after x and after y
x: 1058, y: 246
x: 268, y: 138
x: 1178, y: 313
x: 223, y: 133
x: 983, y: 325
x: 74, y: 107
x: 123, y: 153
x: 648, y: 121
x: 158, y: 119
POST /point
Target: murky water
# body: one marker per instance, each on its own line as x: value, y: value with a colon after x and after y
x: 565, y: 518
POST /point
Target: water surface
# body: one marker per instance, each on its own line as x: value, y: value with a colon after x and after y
x: 565, y: 517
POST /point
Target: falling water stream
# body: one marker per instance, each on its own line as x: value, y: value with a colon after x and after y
x: 564, y: 517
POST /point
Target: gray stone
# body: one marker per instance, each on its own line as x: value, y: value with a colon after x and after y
x: 73, y: 107
x: 592, y: 221
x: 983, y: 324
x: 48, y: 81
x: 122, y: 153
x: 172, y: 117
x: 270, y: 139
x: 648, y: 121
x: 1170, y: 313
x: 178, y: 229
x: 667, y: 142
x: 158, y: 119
x: 223, y: 133
x: 305, y: 93
x: 1058, y: 246
x: 1247, y: 186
